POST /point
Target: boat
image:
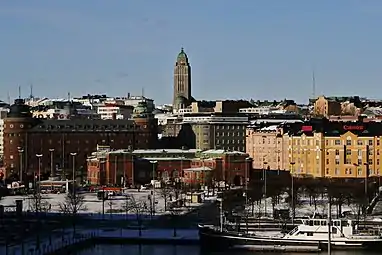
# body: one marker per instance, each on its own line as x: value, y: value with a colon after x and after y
x: 312, y: 232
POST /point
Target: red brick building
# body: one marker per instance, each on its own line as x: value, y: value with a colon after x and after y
x: 58, y: 146
x: 113, y: 167
x: 138, y: 166
x: 229, y: 166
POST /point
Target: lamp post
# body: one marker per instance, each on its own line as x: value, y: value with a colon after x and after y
x: 52, y: 173
x: 115, y: 169
x: 21, y: 150
x: 265, y: 186
x: 246, y: 179
x: 366, y: 181
x: 292, y: 190
x: 39, y: 172
x: 73, y: 154
x: 153, y: 162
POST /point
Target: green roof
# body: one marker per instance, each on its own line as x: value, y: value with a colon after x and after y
x: 182, y: 55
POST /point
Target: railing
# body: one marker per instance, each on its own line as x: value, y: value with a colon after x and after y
x: 48, y: 246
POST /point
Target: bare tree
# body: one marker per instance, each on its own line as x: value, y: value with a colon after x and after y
x: 166, y: 192
x: 38, y: 204
x: 72, y: 204
x: 138, y: 207
x: 110, y: 203
x: 174, y: 214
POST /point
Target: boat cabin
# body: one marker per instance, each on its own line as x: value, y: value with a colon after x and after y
x: 318, y: 228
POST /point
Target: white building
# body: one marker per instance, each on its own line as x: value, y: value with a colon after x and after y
x: 114, y: 111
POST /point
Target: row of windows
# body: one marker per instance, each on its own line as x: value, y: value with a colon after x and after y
x: 350, y: 162
x: 335, y: 142
x: 349, y: 171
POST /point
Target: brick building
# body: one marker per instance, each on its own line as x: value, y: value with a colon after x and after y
x: 58, y: 146
x: 138, y: 166
x: 112, y: 167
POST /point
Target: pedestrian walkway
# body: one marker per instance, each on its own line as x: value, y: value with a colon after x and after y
x: 62, y: 242
x: 47, y: 245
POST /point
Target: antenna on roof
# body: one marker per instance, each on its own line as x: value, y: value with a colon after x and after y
x: 68, y: 96
x: 143, y: 94
x: 314, y: 84
x: 19, y: 92
x: 9, y: 98
x: 31, y: 88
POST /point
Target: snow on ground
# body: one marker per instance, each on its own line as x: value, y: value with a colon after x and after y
x: 93, y: 205
x: 303, y: 209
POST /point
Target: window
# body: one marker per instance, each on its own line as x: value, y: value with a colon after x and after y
x: 359, y: 153
x: 377, y: 161
x: 359, y: 142
x: 337, y: 142
x: 337, y: 161
x: 327, y: 161
x: 348, y: 142
x: 327, y: 170
x: 337, y: 171
x: 10, y: 156
x: 337, y: 152
x: 370, y: 142
x: 370, y: 161
x: 348, y: 152
x: 348, y: 160
x: 377, y: 142
x: 359, y: 171
x: 359, y: 161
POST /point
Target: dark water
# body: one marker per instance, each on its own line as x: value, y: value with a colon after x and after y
x: 184, y: 250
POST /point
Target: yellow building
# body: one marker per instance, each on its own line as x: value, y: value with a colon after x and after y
x: 340, y: 150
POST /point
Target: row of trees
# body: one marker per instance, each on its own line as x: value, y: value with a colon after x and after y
x: 74, y: 203
x: 353, y: 194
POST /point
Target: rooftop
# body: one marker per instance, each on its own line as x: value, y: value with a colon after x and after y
x: 204, y: 168
x: 221, y: 151
x: 156, y: 151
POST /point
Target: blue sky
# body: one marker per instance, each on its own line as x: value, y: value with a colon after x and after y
x: 262, y: 49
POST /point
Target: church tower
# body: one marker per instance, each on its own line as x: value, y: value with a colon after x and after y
x: 182, y: 82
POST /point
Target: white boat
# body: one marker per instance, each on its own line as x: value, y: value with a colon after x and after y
x: 312, y: 232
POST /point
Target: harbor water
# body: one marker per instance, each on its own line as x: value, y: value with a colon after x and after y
x: 185, y: 250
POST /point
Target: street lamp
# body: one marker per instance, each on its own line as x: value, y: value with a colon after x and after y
x: 153, y: 162
x: 21, y: 150
x: 292, y: 190
x: 73, y: 154
x: 246, y: 179
x: 366, y: 181
x: 39, y: 171
x: 265, y: 186
x: 52, y: 173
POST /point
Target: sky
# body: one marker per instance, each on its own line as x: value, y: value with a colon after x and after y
x: 260, y: 49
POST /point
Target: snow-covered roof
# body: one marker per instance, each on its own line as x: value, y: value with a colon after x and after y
x: 161, y: 151
x: 203, y: 168
x: 269, y: 128
x: 281, y: 121
x: 220, y: 151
